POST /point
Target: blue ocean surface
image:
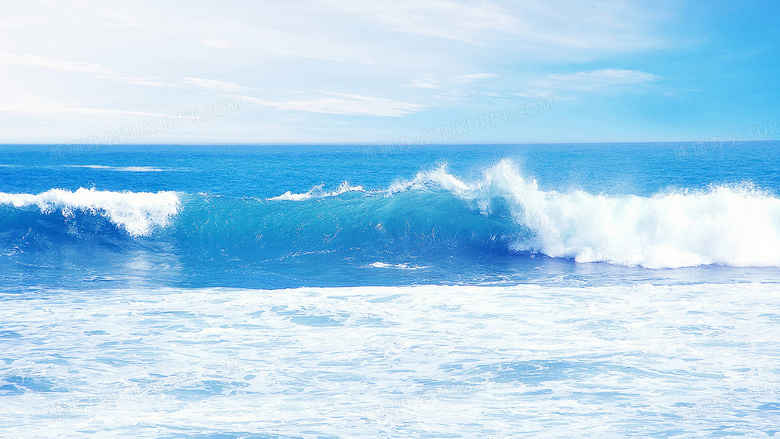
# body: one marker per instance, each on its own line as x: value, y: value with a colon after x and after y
x: 276, y: 291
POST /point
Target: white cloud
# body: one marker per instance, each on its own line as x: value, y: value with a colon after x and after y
x: 210, y: 84
x: 587, y: 81
x: 12, y: 59
x: 152, y: 55
x: 546, y: 28
x: 101, y: 72
x: 473, y: 77
x: 450, y: 20
x: 148, y: 81
x: 49, y: 110
x: 342, y: 103
x: 424, y: 83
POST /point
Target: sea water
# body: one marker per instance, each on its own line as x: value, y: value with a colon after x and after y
x: 599, y: 290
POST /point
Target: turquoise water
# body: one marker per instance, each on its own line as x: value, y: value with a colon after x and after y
x: 390, y: 291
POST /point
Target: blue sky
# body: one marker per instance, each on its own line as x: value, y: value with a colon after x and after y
x: 335, y: 71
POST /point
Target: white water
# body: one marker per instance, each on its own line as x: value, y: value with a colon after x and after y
x: 522, y: 361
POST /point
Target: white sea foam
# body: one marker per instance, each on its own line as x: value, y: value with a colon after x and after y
x: 437, y: 178
x: 728, y: 225
x: 136, y: 212
x: 395, y: 266
x: 318, y: 192
x: 393, y: 362
x: 119, y: 168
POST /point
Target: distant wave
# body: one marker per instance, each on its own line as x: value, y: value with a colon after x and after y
x: 135, y: 212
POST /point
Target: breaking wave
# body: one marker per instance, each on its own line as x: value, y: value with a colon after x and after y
x: 433, y: 215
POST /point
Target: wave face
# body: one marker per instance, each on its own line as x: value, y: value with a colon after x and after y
x: 433, y: 219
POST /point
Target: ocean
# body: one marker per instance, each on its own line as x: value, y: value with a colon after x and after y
x: 400, y: 291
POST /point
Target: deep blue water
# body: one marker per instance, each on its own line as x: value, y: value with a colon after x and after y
x: 397, y: 219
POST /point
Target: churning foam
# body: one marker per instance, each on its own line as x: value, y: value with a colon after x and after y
x: 136, y: 212
x: 318, y: 192
x: 728, y: 225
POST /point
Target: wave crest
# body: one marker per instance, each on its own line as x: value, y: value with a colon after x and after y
x: 317, y: 192
x: 436, y: 213
x: 727, y: 225
x: 136, y: 212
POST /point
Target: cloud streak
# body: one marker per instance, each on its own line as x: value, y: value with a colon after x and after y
x: 560, y: 85
x: 343, y: 104
x: 12, y: 59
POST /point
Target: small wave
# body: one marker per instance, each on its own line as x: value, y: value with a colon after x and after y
x: 318, y: 192
x: 437, y: 178
x: 119, y: 168
x: 396, y: 266
x: 136, y: 212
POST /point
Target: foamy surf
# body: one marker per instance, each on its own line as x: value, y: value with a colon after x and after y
x: 547, y: 362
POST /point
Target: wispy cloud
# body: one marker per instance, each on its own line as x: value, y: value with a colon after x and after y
x: 458, y: 80
x: 101, y: 72
x: 473, y: 77
x: 546, y: 28
x: 561, y: 85
x: 449, y: 20
x: 598, y: 79
x: 342, y: 103
x: 12, y: 59
x: 424, y: 83
x: 54, y: 110
x: 211, y: 84
x: 387, y: 59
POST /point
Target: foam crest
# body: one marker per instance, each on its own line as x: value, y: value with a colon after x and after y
x: 727, y: 225
x: 136, y: 212
x: 318, y: 192
x: 395, y: 266
x: 437, y: 178
x: 118, y: 168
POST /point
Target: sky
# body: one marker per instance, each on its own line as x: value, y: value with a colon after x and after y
x: 388, y: 72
